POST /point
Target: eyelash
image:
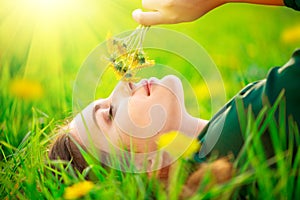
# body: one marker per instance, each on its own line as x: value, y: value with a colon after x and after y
x: 110, y: 112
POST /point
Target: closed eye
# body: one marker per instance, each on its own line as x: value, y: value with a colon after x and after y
x: 110, y: 112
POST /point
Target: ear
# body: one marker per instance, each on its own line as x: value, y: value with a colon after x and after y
x: 148, y: 162
x: 154, y: 164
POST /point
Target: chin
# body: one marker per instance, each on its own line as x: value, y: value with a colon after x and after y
x: 175, y: 85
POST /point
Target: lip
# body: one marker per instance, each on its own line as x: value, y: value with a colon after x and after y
x: 144, y: 83
x: 147, y: 86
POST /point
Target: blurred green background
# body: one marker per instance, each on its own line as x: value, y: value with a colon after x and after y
x: 43, y: 44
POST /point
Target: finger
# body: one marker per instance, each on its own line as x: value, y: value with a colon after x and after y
x: 147, y: 18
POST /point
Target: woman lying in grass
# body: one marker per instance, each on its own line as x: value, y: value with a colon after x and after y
x: 134, y: 117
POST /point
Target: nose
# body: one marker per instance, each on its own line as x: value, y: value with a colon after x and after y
x: 123, y: 89
x: 131, y: 85
x: 135, y: 86
x: 141, y: 82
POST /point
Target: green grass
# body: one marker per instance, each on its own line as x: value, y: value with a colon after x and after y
x: 243, y: 40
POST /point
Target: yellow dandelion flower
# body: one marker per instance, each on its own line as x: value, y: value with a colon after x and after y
x: 291, y: 35
x: 178, y: 144
x: 78, y: 190
x: 26, y: 89
x: 126, y: 56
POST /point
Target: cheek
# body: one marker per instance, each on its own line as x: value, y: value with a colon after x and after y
x: 149, y: 114
x: 108, y: 129
x: 139, y: 111
x: 103, y: 122
x: 134, y: 111
x: 140, y: 117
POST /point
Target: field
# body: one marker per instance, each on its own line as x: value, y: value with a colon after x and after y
x: 43, y: 45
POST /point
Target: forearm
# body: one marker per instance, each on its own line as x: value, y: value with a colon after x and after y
x: 177, y: 11
x: 294, y: 4
x: 263, y: 2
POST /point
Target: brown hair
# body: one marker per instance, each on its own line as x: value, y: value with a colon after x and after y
x: 63, y: 148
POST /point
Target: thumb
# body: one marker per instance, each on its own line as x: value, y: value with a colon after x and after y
x: 147, y: 18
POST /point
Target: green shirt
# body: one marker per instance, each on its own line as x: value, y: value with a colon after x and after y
x: 295, y: 4
x: 223, y: 133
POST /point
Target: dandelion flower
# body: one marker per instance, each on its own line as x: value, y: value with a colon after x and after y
x: 291, y: 35
x: 26, y: 89
x: 127, y: 56
x: 78, y: 190
x: 177, y: 144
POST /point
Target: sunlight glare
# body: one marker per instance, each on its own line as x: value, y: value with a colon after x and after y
x: 50, y: 8
x: 49, y: 4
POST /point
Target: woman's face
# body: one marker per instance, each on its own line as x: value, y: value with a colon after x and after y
x: 133, y: 116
